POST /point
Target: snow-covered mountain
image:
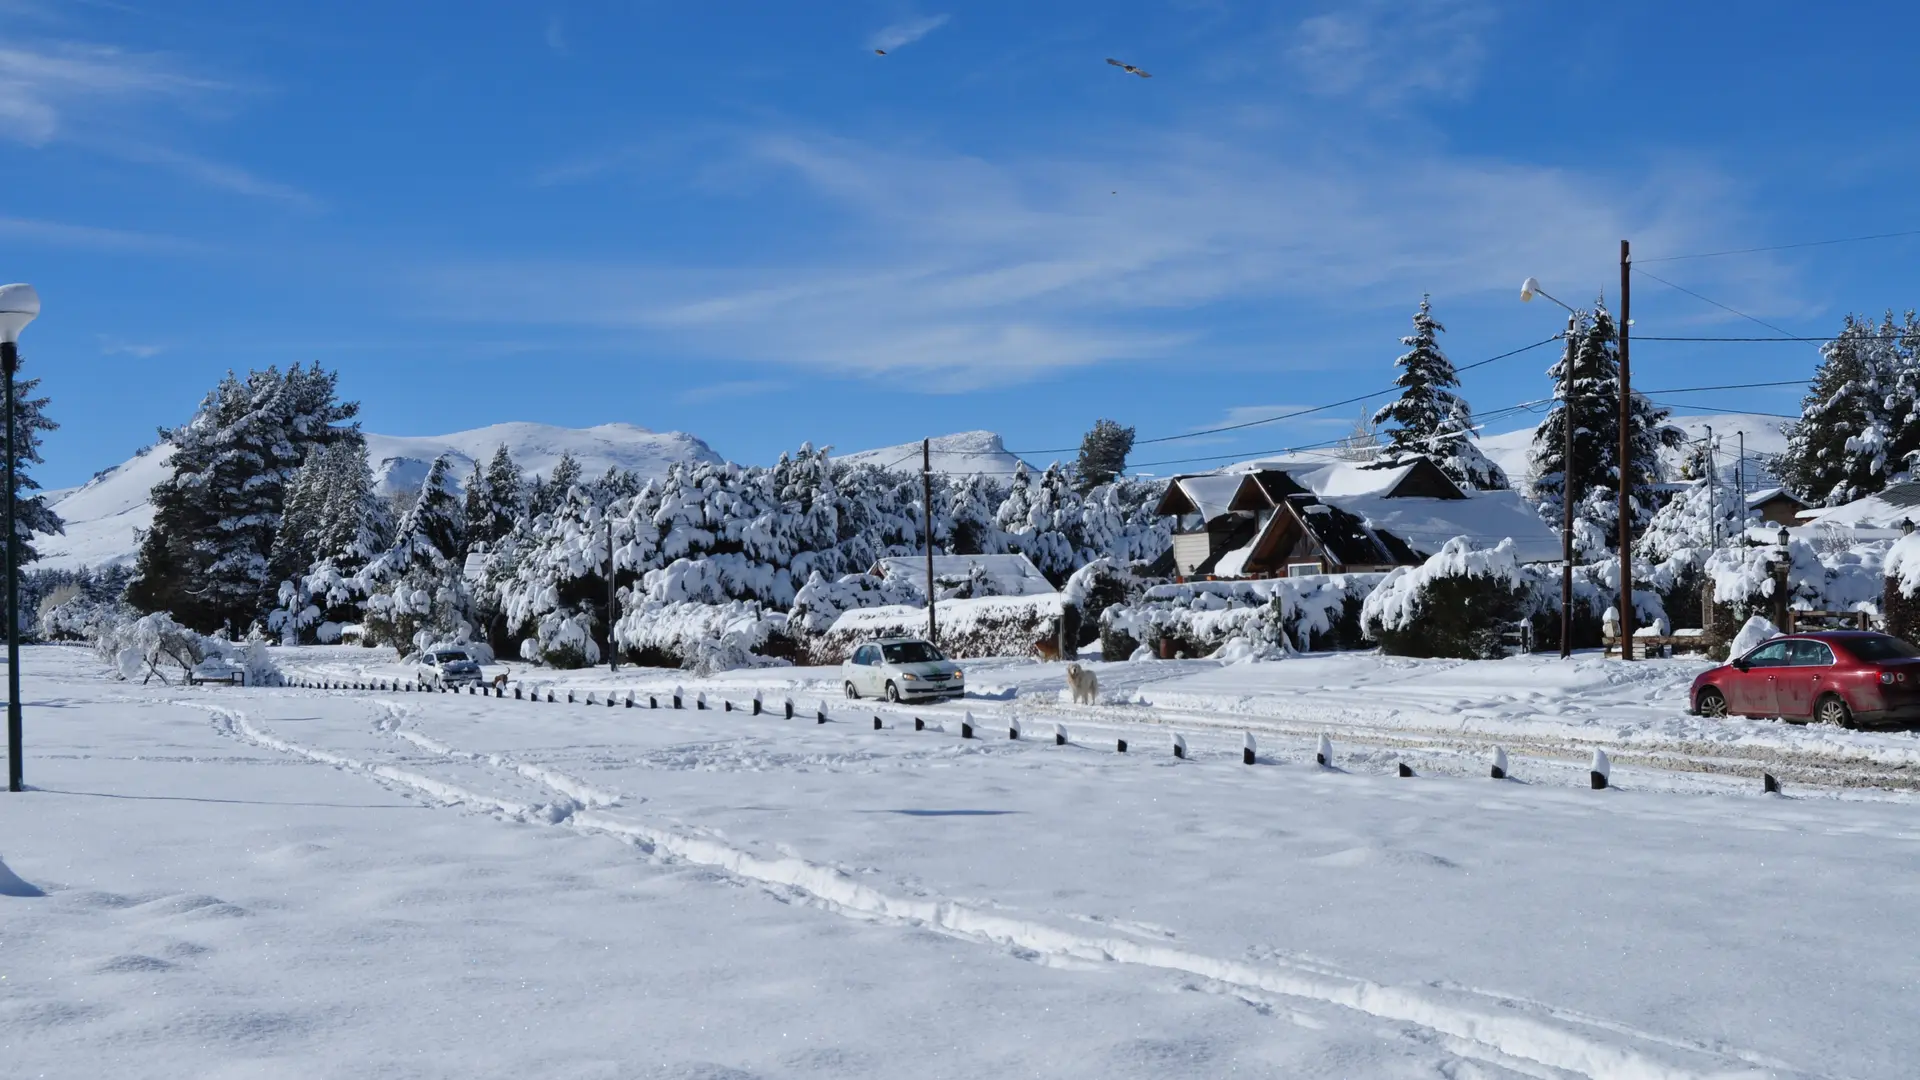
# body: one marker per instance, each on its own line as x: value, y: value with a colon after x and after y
x: 104, y: 514
x: 958, y: 454
x: 1763, y: 440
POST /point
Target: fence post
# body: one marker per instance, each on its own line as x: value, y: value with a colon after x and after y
x: 919, y: 724
x: 876, y: 723
x: 1499, y: 770
x: 966, y: 726
x: 1121, y: 745
x: 820, y: 712
x: 516, y: 693
x: 676, y: 697
x: 726, y: 704
x: 1013, y: 729
x: 629, y: 699
x: 789, y: 708
x: 1180, y: 746
x: 1769, y: 784
x: 1059, y: 734
x: 1405, y: 769
x: 1601, y: 771
x: 1246, y: 749
x: 1323, y: 754
x: 700, y: 700
x: 756, y: 703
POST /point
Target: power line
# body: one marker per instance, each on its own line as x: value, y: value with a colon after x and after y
x: 1722, y: 409
x: 1726, y: 386
x: 1782, y: 247
x: 1292, y: 415
x: 1708, y: 299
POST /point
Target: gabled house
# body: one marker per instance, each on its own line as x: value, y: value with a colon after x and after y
x: 1293, y: 518
x: 1775, y: 506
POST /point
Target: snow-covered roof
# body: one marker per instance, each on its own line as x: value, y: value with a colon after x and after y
x: 1484, y: 517
x: 1009, y: 575
x: 1765, y: 495
x: 1338, y: 478
x: 1211, y: 492
x: 1899, y: 502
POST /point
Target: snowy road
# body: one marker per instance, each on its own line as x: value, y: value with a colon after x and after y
x: 296, y: 883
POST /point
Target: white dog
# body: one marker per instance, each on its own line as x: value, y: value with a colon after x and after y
x: 1083, y: 684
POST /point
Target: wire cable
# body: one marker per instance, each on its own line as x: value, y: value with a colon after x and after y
x: 1782, y: 247
x: 1708, y: 299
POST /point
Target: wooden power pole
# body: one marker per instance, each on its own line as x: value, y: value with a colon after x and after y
x: 613, y: 603
x: 1626, y: 457
x: 1566, y: 488
x: 926, y: 491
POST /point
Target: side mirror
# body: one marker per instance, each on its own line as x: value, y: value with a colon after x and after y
x: 1742, y: 665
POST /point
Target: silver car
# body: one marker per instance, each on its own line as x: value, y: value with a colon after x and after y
x: 449, y: 667
x: 902, y: 669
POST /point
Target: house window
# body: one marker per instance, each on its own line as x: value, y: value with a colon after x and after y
x: 1302, y: 569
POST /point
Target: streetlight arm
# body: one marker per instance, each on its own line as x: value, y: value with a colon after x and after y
x: 1530, y: 288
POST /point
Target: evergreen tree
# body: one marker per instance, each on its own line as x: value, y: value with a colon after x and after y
x: 32, y: 514
x: 1593, y: 408
x: 479, y: 507
x: 1429, y: 418
x: 1853, y: 423
x: 548, y: 497
x: 216, y: 519
x: 1103, y: 454
x: 504, y: 494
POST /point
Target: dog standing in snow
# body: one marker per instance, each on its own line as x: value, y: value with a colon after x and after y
x: 1082, y: 684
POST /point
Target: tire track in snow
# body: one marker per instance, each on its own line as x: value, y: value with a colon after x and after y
x: 552, y: 779
x: 1521, y: 1031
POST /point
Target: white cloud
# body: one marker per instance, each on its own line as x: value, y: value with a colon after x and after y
x: 87, y: 237
x: 139, y: 351
x: 556, y: 35
x: 963, y: 272
x: 1384, y: 50
x: 730, y: 391
x: 103, y: 99
x: 906, y: 32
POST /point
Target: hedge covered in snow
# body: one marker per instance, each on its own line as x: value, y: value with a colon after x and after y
x: 1268, y: 617
x: 703, y: 638
x: 1459, y: 603
x: 986, y: 626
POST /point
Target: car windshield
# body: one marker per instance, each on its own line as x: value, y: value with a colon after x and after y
x: 1881, y: 647
x: 451, y: 657
x: 910, y: 652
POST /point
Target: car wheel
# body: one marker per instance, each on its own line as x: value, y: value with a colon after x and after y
x: 893, y: 693
x: 852, y: 694
x: 1833, y: 710
x: 1712, y: 704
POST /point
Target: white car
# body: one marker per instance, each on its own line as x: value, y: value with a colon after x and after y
x: 902, y: 669
x: 449, y: 667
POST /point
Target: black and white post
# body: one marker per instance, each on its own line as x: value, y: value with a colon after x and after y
x: 19, y: 304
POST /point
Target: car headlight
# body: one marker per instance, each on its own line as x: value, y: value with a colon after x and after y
x: 909, y: 676
x: 958, y: 674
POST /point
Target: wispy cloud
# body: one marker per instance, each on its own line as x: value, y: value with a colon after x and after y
x: 105, y: 99
x: 556, y: 35
x: 88, y: 237
x: 1385, y: 50
x: 116, y: 347
x: 729, y: 391
x: 967, y: 272
x: 906, y: 32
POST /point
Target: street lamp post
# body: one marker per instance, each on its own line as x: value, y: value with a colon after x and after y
x: 18, y: 306
x: 1529, y: 289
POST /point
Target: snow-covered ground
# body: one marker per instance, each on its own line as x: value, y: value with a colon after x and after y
x: 240, y: 882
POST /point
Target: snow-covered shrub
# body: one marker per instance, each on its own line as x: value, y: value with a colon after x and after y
x: 1850, y: 580
x: 703, y: 638
x: 1756, y: 631
x: 1088, y: 593
x: 820, y: 601
x: 563, y: 640
x: 149, y: 646
x: 421, y: 607
x: 1201, y: 617
x: 1459, y: 603
x: 1900, y: 594
x: 989, y: 626
x: 75, y: 617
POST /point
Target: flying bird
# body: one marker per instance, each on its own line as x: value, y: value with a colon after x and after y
x: 879, y: 52
x: 1128, y: 68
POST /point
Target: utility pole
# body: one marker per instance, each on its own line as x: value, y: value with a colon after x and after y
x: 1566, y: 488
x: 926, y: 491
x: 1713, y: 492
x: 1626, y: 458
x: 1740, y: 470
x: 613, y: 602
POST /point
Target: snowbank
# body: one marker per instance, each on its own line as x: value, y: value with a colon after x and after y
x: 1757, y: 630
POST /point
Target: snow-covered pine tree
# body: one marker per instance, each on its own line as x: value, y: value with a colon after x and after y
x: 1594, y: 406
x: 415, y: 590
x: 1103, y: 454
x: 566, y: 476
x: 32, y: 514
x: 1428, y: 417
x: 478, y: 506
x: 1851, y: 421
x: 206, y: 558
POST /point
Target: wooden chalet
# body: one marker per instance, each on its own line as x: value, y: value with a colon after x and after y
x: 1774, y: 506
x: 1295, y: 518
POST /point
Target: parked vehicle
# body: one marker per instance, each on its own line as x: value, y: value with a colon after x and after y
x: 902, y: 669
x: 450, y: 667
x: 1841, y: 677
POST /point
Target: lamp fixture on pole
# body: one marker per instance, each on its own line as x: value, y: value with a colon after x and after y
x: 19, y: 304
x: 1529, y: 289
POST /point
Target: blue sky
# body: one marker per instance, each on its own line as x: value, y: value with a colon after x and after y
x: 736, y: 220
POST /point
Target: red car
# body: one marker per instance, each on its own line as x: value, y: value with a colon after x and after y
x: 1840, y: 677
